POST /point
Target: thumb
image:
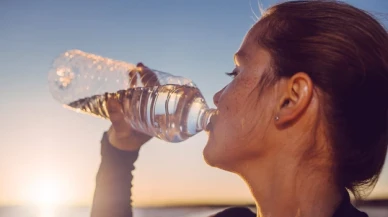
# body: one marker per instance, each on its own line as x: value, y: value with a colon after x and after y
x: 116, y: 114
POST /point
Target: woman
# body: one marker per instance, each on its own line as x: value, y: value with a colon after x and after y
x: 304, y: 119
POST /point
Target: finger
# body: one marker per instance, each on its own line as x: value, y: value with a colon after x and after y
x: 113, y: 106
x: 149, y: 78
x: 116, y: 115
x: 133, y: 74
x: 115, y: 110
x: 136, y: 73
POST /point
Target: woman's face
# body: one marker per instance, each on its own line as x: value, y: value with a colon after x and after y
x: 242, y: 128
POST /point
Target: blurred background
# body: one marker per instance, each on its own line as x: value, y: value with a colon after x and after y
x: 49, y: 156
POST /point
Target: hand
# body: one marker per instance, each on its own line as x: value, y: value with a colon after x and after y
x: 120, y: 134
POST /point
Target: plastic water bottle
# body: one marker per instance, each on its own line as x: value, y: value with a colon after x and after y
x: 155, y: 103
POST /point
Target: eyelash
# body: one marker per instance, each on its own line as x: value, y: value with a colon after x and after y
x: 232, y: 74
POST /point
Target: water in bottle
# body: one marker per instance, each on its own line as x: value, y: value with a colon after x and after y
x: 156, y: 103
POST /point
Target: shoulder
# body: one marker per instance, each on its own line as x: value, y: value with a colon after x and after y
x: 346, y: 208
x: 235, y: 212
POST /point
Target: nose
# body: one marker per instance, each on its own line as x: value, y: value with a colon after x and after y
x: 216, y: 96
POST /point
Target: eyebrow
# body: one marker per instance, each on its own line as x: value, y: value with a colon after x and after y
x: 239, y: 57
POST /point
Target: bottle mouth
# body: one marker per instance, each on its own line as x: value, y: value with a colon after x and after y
x: 205, y: 120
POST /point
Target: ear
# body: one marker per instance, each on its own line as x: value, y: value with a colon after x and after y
x: 296, y: 98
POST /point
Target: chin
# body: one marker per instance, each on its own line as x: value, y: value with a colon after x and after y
x: 210, y: 154
x: 207, y: 156
x: 214, y: 157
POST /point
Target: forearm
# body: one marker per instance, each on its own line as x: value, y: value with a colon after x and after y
x: 112, y: 196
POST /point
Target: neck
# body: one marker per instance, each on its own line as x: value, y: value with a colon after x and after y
x: 283, y: 187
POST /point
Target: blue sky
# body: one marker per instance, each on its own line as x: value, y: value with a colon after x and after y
x: 43, y: 142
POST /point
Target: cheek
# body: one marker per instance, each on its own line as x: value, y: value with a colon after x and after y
x: 238, y: 119
x: 238, y: 94
x: 240, y: 127
x: 244, y: 127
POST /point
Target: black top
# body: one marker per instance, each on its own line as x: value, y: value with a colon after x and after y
x: 112, y: 196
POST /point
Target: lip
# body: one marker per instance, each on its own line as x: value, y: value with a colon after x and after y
x: 209, y: 126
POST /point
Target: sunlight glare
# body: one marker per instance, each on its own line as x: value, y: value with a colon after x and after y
x: 47, y: 211
x: 47, y: 192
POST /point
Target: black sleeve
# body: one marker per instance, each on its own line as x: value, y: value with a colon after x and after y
x: 236, y: 212
x: 112, y: 195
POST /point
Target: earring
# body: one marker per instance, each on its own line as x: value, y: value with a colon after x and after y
x: 276, y: 118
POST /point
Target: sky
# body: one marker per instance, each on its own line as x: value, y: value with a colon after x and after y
x: 47, y: 150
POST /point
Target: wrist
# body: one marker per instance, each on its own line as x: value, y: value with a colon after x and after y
x: 115, y: 157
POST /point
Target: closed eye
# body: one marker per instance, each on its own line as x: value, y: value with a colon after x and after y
x: 232, y: 74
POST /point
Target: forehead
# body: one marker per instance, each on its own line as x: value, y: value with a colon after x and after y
x: 250, y: 47
x: 250, y: 43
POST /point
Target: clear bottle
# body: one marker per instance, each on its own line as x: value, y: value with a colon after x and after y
x: 155, y: 103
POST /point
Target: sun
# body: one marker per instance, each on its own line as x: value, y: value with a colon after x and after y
x: 47, y: 191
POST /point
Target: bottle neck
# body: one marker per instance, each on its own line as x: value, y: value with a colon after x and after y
x: 204, y: 118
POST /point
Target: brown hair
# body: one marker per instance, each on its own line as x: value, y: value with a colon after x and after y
x: 345, y: 52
